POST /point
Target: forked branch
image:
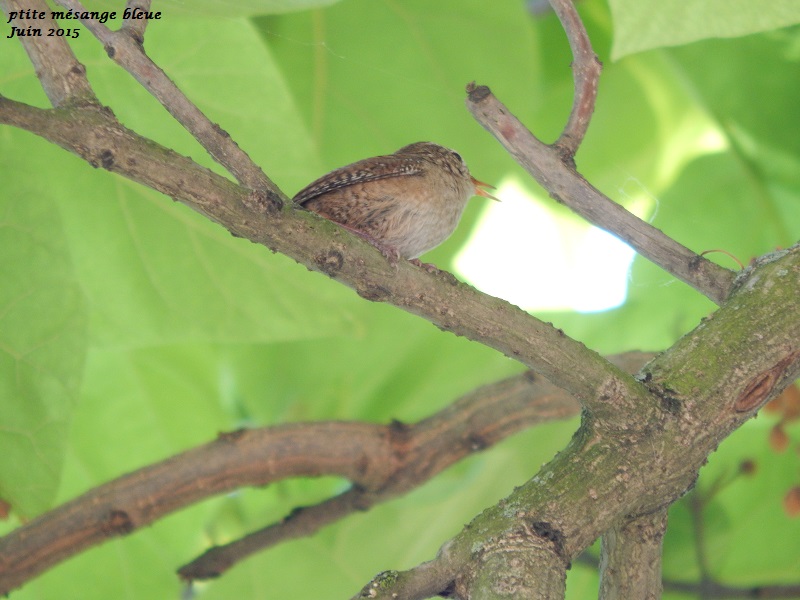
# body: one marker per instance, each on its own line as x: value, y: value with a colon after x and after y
x: 552, y: 166
x: 565, y: 185
x: 126, y: 48
x: 381, y: 462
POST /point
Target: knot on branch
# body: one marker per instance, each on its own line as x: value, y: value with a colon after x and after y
x: 760, y: 387
x: 117, y: 522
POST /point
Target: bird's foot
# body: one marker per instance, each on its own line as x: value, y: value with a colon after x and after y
x: 389, y: 252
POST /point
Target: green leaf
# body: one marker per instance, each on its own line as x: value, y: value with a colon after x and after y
x: 43, y: 322
x: 752, y: 116
x: 646, y: 24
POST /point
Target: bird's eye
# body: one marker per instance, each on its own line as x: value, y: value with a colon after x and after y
x: 458, y: 156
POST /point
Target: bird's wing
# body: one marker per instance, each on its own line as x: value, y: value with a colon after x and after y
x: 370, y: 169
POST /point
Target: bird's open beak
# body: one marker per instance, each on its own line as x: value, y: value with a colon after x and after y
x: 480, y: 192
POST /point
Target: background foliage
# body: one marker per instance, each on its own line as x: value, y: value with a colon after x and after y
x: 131, y: 329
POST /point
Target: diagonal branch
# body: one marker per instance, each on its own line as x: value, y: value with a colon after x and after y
x: 125, y: 48
x: 96, y: 136
x: 565, y: 185
x: 256, y: 214
x: 62, y: 76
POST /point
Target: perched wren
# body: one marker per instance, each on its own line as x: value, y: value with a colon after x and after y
x: 405, y: 203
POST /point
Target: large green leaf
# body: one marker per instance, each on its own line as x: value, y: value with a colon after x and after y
x: 646, y: 24
x: 43, y: 322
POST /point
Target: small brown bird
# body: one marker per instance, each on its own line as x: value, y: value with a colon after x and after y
x: 405, y: 203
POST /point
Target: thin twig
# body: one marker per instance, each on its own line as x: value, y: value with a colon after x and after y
x: 711, y: 590
x: 585, y: 72
x: 696, y: 502
x: 302, y: 522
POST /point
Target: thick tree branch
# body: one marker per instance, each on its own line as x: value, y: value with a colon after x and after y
x: 526, y: 562
x: 606, y: 475
x: 630, y: 560
x: 565, y: 185
x: 95, y: 135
